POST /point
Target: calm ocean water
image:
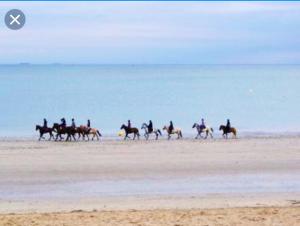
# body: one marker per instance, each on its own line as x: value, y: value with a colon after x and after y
x: 262, y: 98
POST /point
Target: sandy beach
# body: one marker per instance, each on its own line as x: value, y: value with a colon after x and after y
x: 249, y: 181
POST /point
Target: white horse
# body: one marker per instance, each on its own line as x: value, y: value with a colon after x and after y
x: 175, y: 131
x: 208, y: 130
x: 157, y: 132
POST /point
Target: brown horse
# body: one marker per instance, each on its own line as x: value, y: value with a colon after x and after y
x: 82, y: 131
x: 225, y: 131
x: 133, y: 130
x: 86, y: 131
x: 44, y: 130
x: 69, y: 130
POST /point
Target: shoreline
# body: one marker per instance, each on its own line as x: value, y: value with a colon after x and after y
x: 187, y: 136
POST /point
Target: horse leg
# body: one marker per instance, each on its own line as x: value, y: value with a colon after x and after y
x: 138, y: 136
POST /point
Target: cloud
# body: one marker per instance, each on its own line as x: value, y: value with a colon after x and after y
x: 222, y: 31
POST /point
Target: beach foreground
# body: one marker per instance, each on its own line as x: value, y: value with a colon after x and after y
x: 236, y: 216
x: 250, y: 181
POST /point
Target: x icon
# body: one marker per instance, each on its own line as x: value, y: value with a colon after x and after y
x: 14, y: 19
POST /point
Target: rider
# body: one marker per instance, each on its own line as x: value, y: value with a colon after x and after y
x: 150, y: 127
x: 88, y: 123
x: 202, y: 125
x: 73, y: 123
x: 171, y: 127
x: 63, y: 122
x: 228, y: 125
x: 129, y: 124
x: 45, y: 123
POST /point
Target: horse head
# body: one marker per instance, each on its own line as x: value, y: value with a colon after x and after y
x: 165, y: 128
x: 123, y: 127
x: 222, y: 127
x: 195, y: 124
x: 144, y: 126
x: 37, y: 127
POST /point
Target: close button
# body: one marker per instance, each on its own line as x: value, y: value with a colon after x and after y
x: 14, y: 19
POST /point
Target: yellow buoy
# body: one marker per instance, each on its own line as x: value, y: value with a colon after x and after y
x: 121, y: 133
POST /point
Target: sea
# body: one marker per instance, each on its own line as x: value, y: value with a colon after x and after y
x: 258, y: 99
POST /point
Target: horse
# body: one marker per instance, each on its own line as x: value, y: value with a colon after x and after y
x: 44, y: 130
x: 133, y: 130
x: 157, y: 132
x: 175, y: 131
x: 225, y: 131
x: 82, y: 131
x: 86, y: 131
x: 208, y: 130
x: 69, y: 130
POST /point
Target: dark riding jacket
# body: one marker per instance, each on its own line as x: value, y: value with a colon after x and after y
x: 150, y: 127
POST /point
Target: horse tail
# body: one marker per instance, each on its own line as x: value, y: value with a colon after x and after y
x: 159, y: 132
x: 180, y: 133
x: 99, y: 133
x: 234, y: 131
x: 212, y: 130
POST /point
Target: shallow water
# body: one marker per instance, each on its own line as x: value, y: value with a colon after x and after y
x: 191, y: 186
x: 261, y: 98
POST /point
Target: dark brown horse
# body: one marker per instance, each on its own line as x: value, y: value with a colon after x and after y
x: 133, y: 130
x: 60, y: 130
x: 82, y: 131
x: 226, y: 131
x: 44, y: 130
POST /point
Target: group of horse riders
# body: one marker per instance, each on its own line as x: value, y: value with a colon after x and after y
x: 85, y: 130
x: 202, y: 128
x: 62, y: 128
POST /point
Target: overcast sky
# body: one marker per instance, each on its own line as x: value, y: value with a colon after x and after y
x: 153, y: 33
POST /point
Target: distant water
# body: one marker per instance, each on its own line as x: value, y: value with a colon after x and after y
x: 262, y: 98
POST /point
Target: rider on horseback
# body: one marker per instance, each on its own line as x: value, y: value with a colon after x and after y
x: 88, y: 124
x: 202, y: 125
x: 129, y: 124
x: 171, y: 127
x: 45, y: 123
x: 228, y: 125
x: 63, y: 122
x: 150, y: 127
x: 73, y: 123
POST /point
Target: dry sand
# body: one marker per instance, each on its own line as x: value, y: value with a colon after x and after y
x: 231, y: 217
x: 26, y: 166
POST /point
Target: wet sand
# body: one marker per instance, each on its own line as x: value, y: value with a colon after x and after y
x: 161, y: 180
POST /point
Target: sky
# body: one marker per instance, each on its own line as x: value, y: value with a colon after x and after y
x: 153, y: 33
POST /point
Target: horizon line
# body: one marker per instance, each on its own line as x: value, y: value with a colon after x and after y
x: 142, y: 64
